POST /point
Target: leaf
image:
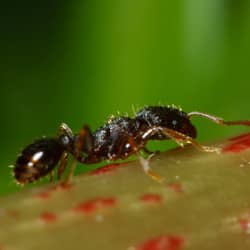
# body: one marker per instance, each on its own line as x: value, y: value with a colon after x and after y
x: 203, y: 203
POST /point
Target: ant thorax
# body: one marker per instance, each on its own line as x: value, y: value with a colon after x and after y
x: 113, y: 140
x: 123, y: 136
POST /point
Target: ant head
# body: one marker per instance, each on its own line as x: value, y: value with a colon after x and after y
x: 37, y: 160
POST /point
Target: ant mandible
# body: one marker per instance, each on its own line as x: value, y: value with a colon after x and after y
x: 118, y: 139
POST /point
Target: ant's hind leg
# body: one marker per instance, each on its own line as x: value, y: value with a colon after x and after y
x: 179, y: 138
x: 183, y: 139
x: 219, y: 120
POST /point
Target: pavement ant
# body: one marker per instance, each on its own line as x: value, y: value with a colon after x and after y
x: 119, y: 138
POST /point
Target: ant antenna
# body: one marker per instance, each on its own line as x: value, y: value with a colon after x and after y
x: 218, y: 120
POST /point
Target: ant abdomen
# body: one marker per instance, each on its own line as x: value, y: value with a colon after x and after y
x: 37, y: 160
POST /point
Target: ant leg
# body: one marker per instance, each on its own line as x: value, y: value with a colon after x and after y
x: 183, y: 139
x: 179, y: 138
x: 62, y: 166
x: 64, y: 130
x: 219, y: 120
x: 145, y: 162
x: 147, y: 169
x: 69, y: 177
x: 84, y: 141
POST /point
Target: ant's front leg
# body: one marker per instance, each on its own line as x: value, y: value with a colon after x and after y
x: 83, y: 142
x: 179, y: 138
x: 62, y: 165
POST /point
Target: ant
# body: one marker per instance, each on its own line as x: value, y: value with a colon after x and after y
x: 119, y: 138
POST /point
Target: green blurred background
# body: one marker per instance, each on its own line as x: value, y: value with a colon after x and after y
x: 80, y: 61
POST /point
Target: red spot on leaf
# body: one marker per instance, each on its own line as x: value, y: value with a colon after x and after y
x: 106, y: 169
x: 244, y: 224
x: 91, y: 206
x: 238, y: 144
x: 48, y: 217
x: 166, y: 242
x: 43, y: 195
x: 177, y: 187
x: 151, y: 198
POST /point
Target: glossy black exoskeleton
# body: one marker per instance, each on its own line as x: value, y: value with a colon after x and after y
x: 118, y: 139
x: 37, y: 160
